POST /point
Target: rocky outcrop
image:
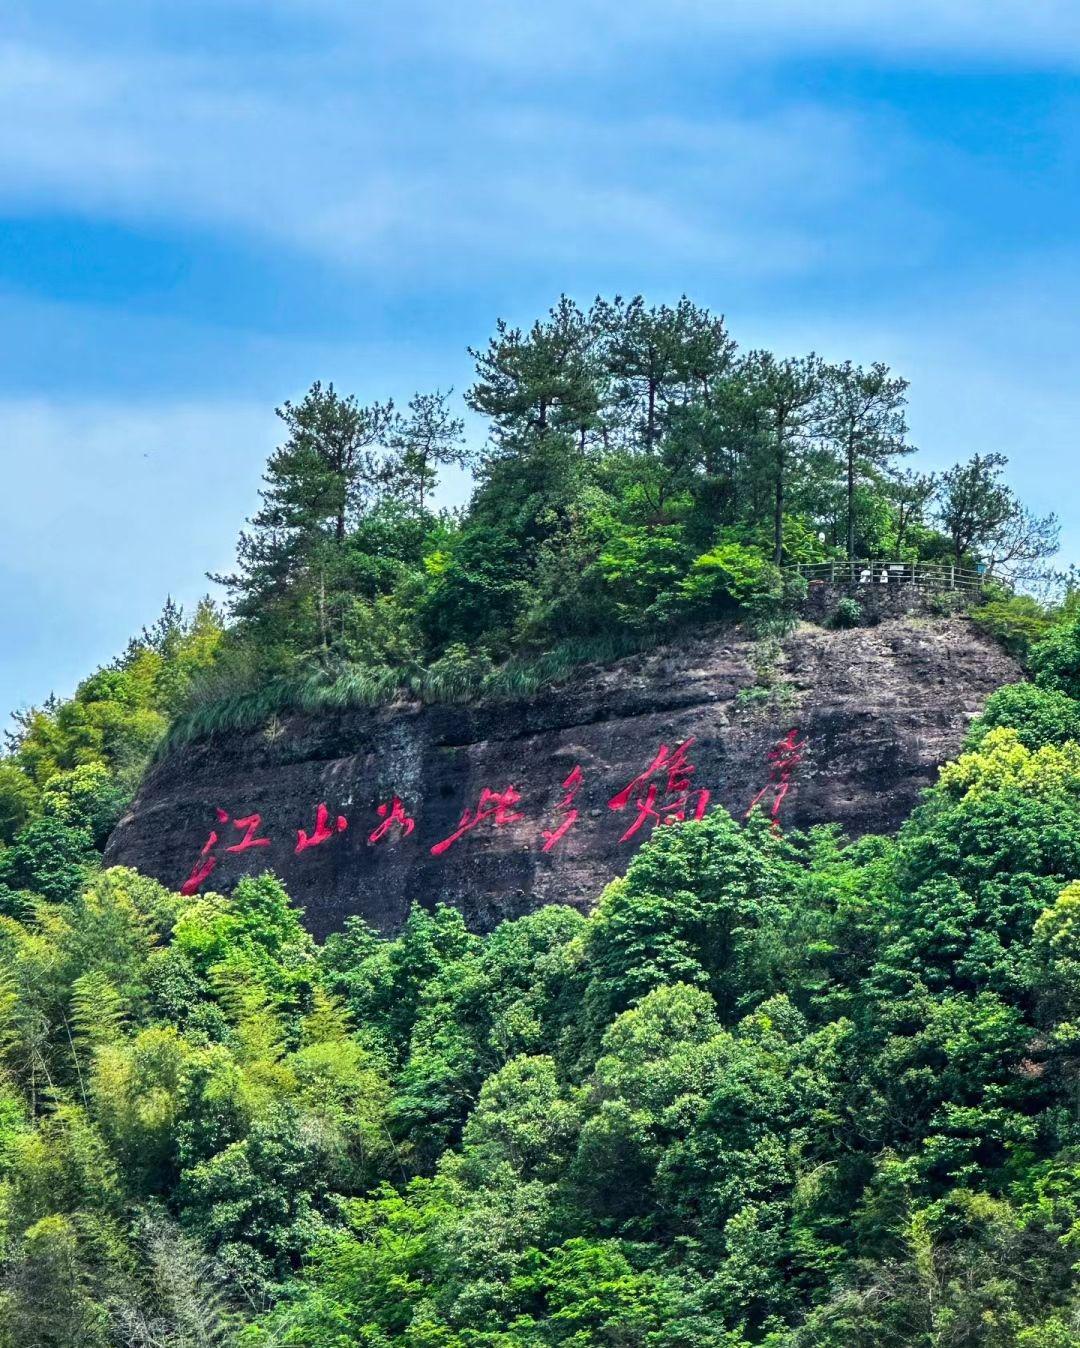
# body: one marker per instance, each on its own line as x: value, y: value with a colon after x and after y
x: 532, y: 789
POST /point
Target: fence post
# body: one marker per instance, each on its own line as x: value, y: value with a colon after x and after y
x: 952, y: 575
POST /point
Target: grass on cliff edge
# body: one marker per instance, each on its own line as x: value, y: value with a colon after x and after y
x: 218, y: 709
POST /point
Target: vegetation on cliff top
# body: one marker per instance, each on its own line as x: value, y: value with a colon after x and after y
x: 638, y: 474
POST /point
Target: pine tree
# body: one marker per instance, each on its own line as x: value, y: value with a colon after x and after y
x: 422, y: 442
x: 542, y: 381
x: 788, y: 397
x: 659, y: 358
x: 318, y: 483
x: 863, y: 416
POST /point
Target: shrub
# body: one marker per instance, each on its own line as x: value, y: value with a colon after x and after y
x: 639, y: 566
x: 1038, y: 715
x: 848, y: 613
x: 730, y: 576
x: 1016, y: 620
x: 1055, y: 660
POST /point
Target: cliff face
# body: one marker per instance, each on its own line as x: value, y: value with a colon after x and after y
x: 532, y: 802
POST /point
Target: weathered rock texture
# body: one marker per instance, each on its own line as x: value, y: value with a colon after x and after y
x: 880, y: 708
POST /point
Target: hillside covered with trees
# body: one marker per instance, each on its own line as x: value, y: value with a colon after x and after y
x: 778, y: 1089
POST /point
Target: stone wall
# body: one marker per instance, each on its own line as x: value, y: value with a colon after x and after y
x: 881, y: 602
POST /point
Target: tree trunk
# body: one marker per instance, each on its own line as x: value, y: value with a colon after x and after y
x: 851, y: 502
x: 778, y: 515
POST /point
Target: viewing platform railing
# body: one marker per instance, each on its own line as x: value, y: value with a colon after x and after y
x: 922, y: 576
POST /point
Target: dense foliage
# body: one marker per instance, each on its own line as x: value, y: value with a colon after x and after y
x: 776, y: 1090
x: 71, y: 765
x: 638, y: 473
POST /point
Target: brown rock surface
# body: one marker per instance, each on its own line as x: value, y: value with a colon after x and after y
x: 880, y: 708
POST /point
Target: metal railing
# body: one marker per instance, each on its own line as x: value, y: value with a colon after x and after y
x: 882, y: 572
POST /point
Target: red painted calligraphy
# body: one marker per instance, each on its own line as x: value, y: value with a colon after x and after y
x: 250, y: 824
x: 498, y: 806
x: 392, y: 812
x: 207, y: 859
x: 566, y: 809
x: 203, y: 867
x: 643, y: 791
x: 324, y: 829
x: 783, y: 758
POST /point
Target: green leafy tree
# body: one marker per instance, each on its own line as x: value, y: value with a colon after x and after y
x: 863, y: 416
x: 48, y: 858
x: 422, y: 442
x: 1055, y: 660
x: 982, y: 517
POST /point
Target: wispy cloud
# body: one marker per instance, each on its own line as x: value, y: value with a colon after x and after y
x: 592, y: 34
x: 362, y: 176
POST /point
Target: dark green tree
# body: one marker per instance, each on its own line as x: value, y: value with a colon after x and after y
x: 658, y: 358
x: 318, y: 483
x: 427, y: 439
x: 982, y: 517
x: 863, y: 417
x: 788, y: 396
x: 910, y: 494
x: 540, y: 381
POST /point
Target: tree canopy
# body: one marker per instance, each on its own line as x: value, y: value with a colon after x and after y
x: 627, y: 447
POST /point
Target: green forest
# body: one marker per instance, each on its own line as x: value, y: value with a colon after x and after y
x: 778, y: 1089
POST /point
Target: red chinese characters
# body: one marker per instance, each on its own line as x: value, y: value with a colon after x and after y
x: 324, y: 829
x: 644, y: 789
x: 392, y: 813
x: 498, y: 806
x: 566, y: 809
x: 784, y: 757
x: 207, y: 858
x: 250, y: 824
x: 203, y: 867
x: 662, y: 793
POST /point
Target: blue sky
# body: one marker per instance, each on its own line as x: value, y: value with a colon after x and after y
x: 204, y: 207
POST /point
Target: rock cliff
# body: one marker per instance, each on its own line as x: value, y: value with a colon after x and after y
x: 544, y: 800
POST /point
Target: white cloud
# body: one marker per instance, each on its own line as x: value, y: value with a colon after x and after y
x: 515, y: 35
x: 366, y: 178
